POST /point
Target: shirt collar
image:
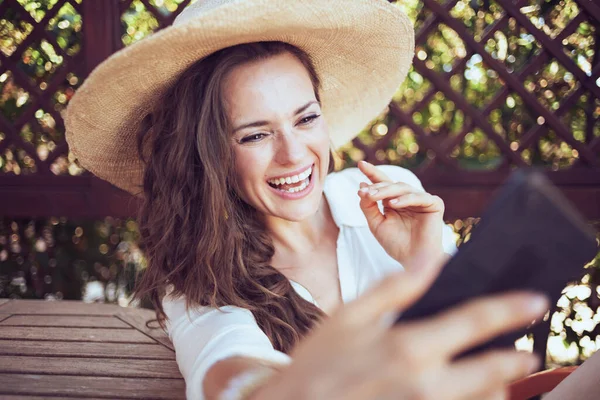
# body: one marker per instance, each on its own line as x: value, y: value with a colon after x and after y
x: 341, y: 192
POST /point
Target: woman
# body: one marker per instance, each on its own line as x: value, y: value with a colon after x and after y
x: 253, y: 245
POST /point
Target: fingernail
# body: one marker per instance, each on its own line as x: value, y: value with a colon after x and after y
x: 364, y: 190
x: 538, y: 303
x: 373, y: 191
x: 393, y: 201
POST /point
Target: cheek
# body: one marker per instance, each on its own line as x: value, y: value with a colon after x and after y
x: 322, y: 142
x: 249, y: 169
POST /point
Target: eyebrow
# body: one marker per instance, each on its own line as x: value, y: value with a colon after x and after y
x: 256, y: 124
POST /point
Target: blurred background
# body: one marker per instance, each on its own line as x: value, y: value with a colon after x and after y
x: 495, y: 85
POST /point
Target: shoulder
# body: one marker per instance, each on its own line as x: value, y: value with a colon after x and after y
x: 180, y: 314
x: 341, y: 191
x: 203, y: 336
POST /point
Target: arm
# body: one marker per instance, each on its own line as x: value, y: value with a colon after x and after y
x: 405, y: 219
x: 219, y: 377
x: 204, y: 337
x: 353, y: 356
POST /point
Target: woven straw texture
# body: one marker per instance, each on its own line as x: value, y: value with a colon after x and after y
x: 362, y: 50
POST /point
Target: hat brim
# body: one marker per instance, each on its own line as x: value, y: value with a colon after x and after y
x: 362, y: 51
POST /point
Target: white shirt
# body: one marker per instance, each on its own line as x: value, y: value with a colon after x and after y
x: 205, y: 335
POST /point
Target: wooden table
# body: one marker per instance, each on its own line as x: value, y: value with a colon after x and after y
x: 77, y: 350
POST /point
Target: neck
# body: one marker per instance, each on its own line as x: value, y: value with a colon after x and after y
x: 301, y: 237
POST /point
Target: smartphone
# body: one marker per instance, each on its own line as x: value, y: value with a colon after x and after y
x: 530, y: 237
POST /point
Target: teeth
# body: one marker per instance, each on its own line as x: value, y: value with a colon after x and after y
x: 299, y: 188
x: 292, y: 179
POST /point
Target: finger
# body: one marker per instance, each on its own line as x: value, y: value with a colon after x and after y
x: 419, y: 202
x: 370, y: 209
x: 387, y: 190
x: 376, y: 185
x: 500, y: 393
x: 482, y: 376
x: 477, y: 321
x: 368, y: 189
x: 372, y: 172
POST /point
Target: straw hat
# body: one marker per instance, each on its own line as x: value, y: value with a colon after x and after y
x: 362, y: 50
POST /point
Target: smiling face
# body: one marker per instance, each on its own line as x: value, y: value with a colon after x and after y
x: 279, y: 138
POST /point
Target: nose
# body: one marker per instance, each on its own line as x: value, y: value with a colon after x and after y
x: 291, y: 148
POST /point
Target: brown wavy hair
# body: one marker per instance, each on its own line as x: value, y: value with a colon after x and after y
x: 200, y: 239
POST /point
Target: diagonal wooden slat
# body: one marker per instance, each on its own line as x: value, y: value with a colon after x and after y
x: 591, y: 8
x: 533, y: 66
x: 41, y: 32
x: 534, y: 133
x: 42, y: 98
x: 14, y: 137
x: 4, y: 6
x: 38, y: 27
x: 432, y: 22
x: 451, y: 143
x: 422, y: 137
x: 124, y: 5
x: 551, y: 46
x: 589, y: 111
x: 141, y: 323
x: 469, y: 110
x: 169, y: 19
x: 159, y: 17
x: 461, y: 63
x: 517, y: 86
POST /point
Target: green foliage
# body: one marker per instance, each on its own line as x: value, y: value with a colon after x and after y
x: 98, y: 260
x: 62, y: 258
x: 445, y: 52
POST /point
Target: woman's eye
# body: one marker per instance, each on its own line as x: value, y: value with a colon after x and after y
x: 310, y: 119
x: 253, y: 138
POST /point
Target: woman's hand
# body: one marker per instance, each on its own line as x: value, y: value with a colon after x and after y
x: 355, y: 354
x: 410, y: 228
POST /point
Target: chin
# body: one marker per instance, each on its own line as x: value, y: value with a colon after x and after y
x: 299, y: 212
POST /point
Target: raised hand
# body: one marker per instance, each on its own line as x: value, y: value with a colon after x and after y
x: 410, y: 227
x: 356, y: 355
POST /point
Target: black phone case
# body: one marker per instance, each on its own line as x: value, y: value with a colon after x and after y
x: 530, y: 237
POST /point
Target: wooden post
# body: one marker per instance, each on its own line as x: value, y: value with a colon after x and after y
x: 101, y: 31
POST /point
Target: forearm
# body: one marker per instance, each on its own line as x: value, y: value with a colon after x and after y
x: 427, y: 259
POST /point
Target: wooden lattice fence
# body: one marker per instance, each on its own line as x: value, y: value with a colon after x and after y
x: 495, y: 85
